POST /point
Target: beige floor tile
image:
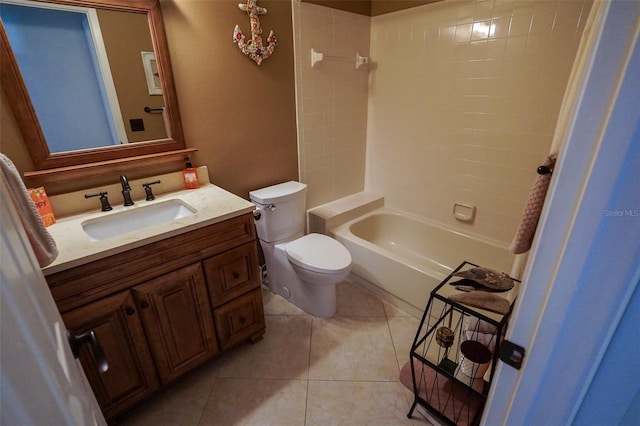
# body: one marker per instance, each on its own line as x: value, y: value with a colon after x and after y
x: 408, y: 393
x: 403, y: 332
x: 419, y: 416
x: 357, y: 403
x: 180, y: 404
x: 352, y: 348
x: 354, y: 301
x: 256, y: 402
x: 394, y: 311
x: 282, y: 354
x: 275, y: 304
x: 349, y: 365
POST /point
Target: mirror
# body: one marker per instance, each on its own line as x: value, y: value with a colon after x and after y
x: 157, y: 88
x: 86, y: 71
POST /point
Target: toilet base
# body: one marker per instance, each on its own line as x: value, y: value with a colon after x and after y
x: 318, y: 300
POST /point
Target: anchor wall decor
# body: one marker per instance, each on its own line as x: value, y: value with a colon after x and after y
x: 254, y: 48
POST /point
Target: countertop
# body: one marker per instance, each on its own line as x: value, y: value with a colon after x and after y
x: 212, y: 205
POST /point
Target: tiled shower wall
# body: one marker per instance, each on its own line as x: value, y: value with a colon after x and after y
x: 331, y: 101
x: 463, y: 103
x: 462, y: 97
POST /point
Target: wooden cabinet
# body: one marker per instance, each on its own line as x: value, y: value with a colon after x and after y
x: 237, y: 313
x: 177, y: 320
x: 232, y: 274
x: 239, y: 318
x: 131, y: 376
x: 161, y: 309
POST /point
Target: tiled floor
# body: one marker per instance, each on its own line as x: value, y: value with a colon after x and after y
x: 306, y: 371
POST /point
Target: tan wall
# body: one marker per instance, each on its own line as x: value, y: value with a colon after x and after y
x: 380, y: 7
x: 370, y: 7
x: 11, y: 141
x: 125, y: 36
x: 361, y: 7
x: 240, y: 116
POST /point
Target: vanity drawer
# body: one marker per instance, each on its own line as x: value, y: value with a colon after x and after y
x: 232, y: 274
x: 239, y: 320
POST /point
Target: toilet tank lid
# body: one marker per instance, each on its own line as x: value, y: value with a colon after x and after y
x: 277, y: 193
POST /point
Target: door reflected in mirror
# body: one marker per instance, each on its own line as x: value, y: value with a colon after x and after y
x: 85, y: 74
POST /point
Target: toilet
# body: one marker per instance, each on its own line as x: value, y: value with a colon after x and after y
x: 303, y: 269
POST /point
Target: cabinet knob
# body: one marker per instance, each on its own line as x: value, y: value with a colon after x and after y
x: 243, y: 320
x: 235, y: 275
x: 144, y: 304
x: 129, y: 311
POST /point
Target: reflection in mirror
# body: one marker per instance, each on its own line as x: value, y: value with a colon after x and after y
x: 121, y: 91
x: 84, y: 73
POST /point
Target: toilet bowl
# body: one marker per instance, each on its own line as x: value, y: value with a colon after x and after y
x: 301, y: 268
x: 319, y: 259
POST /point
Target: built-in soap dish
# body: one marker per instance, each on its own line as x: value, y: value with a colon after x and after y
x: 464, y: 212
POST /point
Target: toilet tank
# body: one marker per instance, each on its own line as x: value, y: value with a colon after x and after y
x: 283, y: 210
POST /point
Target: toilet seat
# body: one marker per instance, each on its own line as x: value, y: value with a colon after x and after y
x: 319, y: 253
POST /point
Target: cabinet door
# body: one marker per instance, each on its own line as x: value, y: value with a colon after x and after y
x: 131, y: 376
x: 232, y: 274
x: 177, y: 318
x: 240, y: 319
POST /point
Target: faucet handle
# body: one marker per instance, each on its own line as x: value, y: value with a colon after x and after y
x: 103, y: 200
x: 147, y: 190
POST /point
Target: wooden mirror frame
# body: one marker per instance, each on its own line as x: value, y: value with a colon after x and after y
x: 59, y: 166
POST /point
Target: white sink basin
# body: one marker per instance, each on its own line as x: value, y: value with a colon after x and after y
x: 136, y: 218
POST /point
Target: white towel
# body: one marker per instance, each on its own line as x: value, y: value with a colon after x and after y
x: 531, y: 214
x: 41, y: 241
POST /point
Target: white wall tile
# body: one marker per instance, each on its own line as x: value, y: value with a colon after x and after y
x: 479, y: 116
x: 459, y: 103
x: 332, y: 101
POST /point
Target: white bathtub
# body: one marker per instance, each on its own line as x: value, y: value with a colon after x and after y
x: 402, y: 258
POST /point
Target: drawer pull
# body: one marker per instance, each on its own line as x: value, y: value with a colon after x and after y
x: 243, y: 320
x: 235, y: 275
x: 129, y: 311
x: 144, y: 304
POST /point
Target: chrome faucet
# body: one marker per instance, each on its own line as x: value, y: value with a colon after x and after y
x: 126, y: 191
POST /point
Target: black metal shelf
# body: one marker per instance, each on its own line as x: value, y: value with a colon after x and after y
x: 443, y: 379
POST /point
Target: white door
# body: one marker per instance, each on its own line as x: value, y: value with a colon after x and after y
x: 584, y: 266
x: 40, y: 381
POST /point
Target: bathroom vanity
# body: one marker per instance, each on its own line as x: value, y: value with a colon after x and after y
x: 163, y: 299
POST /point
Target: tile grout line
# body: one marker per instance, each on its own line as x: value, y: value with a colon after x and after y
x: 204, y: 408
x: 395, y: 353
x: 306, y: 401
x: 393, y: 343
